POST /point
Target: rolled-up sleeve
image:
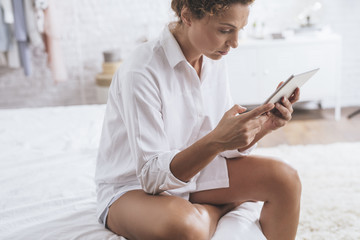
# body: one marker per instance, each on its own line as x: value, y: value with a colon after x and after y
x: 235, y: 153
x: 155, y: 175
x: 149, y: 143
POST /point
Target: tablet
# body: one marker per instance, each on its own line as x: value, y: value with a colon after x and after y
x: 288, y: 87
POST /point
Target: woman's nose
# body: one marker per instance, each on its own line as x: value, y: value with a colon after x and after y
x: 233, y: 41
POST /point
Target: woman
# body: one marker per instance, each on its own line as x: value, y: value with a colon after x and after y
x: 174, y: 153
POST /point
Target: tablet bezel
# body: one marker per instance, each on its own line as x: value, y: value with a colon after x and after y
x: 290, y: 88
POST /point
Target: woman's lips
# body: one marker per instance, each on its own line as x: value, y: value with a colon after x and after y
x: 223, y: 52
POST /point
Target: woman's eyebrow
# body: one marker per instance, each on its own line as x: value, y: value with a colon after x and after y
x: 228, y: 24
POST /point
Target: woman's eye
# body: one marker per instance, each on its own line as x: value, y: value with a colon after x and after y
x: 225, y: 31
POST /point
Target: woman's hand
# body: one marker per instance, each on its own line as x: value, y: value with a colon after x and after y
x: 237, y: 129
x: 282, y: 113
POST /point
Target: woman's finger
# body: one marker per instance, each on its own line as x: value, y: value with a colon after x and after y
x: 256, y: 112
x: 295, y: 96
x: 287, y: 104
x: 281, y: 83
x: 285, y: 113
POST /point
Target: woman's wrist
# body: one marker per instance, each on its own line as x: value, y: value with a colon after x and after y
x: 214, y: 146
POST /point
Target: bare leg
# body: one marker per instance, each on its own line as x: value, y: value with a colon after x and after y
x: 137, y: 215
x: 262, y: 179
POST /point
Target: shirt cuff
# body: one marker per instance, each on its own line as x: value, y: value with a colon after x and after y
x: 236, y: 153
x: 172, y: 182
x: 156, y: 176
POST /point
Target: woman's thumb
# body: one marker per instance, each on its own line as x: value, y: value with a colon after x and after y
x: 236, y: 109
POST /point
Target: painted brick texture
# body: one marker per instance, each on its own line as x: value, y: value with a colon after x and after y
x: 90, y: 27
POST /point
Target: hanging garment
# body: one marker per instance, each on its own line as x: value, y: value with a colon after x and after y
x: 21, y: 36
x: 25, y: 57
x: 13, y: 57
x: 31, y: 24
x: 40, y: 6
x: 3, y: 61
x: 53, y: 42
x: 8, y: 11
x: 4, y: 33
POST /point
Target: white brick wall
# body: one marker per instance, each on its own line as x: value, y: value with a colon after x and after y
x: 89, y: 28
x: 92, y: 26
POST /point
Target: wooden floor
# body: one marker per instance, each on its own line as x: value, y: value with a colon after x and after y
x: 316, y: 127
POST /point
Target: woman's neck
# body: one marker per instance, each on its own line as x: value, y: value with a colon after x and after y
x: 192, y: 55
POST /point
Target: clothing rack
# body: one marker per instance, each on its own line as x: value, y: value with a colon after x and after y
x: 354, y: 113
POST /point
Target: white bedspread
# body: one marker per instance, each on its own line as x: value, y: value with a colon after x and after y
x: 47, y: 166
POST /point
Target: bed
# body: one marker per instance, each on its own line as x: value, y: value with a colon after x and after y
x: 47, y: 189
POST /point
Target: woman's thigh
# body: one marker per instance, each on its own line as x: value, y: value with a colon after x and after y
x: 251, y: 178
x: 137, y: 215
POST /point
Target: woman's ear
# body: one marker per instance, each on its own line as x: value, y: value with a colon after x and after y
x: 186, y: 16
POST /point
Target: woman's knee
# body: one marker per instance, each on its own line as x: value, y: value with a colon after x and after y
x: 185, y: 222
x: 164, y: 217
x: 285, y: 179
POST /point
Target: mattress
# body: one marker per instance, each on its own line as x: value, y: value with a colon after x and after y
x: 47, y: 167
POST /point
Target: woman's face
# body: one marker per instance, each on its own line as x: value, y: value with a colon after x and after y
x: 214, y: 35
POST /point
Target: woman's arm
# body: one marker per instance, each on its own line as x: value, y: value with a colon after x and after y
x: 235, y: 130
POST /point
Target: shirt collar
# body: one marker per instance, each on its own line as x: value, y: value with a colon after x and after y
x: 171, y: 48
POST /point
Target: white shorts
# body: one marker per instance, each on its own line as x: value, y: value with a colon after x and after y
x: 213, y: 176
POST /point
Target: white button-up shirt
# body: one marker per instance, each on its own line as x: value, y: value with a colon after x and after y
x: 158, y: 106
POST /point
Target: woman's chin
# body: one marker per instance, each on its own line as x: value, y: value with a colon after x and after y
x: 214, y: 56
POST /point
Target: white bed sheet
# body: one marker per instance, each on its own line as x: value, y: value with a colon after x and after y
x: 47, y: 166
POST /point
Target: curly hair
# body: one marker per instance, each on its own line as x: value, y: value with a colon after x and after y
x: 201, y: 8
